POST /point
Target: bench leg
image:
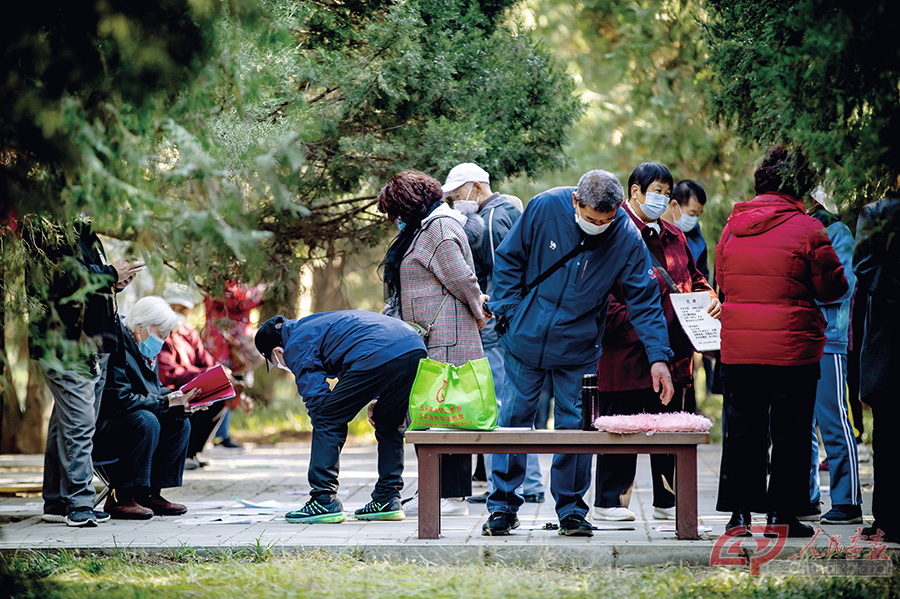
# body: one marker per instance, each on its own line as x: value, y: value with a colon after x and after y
x: 429, y: 493
x: 686, y: 493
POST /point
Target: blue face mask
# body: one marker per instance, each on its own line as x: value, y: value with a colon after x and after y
x: 400, y: 225
x: 150, y: 346
x: 654, y: 205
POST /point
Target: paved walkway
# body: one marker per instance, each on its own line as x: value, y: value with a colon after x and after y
x: 273, y: 479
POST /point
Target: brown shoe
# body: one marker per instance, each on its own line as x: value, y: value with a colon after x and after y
x: 160, y: 505
x: 122, y: 506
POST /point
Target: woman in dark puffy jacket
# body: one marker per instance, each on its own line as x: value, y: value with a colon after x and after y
x: 772, y: 263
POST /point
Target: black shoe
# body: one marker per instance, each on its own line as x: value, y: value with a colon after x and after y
x: 500, y: 524
x: 740, y: 519
x: 574, y: 525
x: 101, y: 515
x: 812, y: 514
x: 534, y: 498
x: 81, y: 516
x: 875, y: 530
x: 478, y: 498
x: 229, y: 444
x: 843, y: 514
x: 795, y: 528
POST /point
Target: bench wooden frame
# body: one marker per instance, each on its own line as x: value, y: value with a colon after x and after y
x: 431, y: 444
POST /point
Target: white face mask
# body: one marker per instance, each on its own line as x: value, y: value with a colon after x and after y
x: 589, y: 227
x: 654, y: 205
x: 278, y: 363
x: 687, y: 222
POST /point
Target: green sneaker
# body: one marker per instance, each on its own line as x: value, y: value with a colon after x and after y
x: 381, y: 510
x: 315, y: 512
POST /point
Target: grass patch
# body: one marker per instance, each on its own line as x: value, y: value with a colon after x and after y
x: 260, y: 573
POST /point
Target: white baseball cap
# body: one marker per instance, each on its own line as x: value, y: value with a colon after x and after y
x: 179, y: 294
x: 464, y: 173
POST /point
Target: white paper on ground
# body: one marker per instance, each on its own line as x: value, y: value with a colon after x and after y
x: 671, y: 528
x: 702, y: 329
x: 266, y: 505
x: 225, y: 519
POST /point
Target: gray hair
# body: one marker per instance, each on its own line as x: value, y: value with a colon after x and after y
x: 599, y: 190
x: 153, y: 310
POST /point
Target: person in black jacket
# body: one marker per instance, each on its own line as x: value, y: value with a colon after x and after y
x: 877, y: 265
x: 143, y: 423
x: 72, y: 332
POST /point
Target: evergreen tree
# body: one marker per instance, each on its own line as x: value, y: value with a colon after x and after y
x: 821, y: 75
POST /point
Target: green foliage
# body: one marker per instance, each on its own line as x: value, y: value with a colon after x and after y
x: 641, y: 69
x: 817, y: 74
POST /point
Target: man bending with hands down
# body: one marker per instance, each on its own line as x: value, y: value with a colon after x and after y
x: 555, y: 326
x: 372, y: 356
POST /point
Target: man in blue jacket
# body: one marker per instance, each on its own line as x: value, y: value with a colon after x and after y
x: 372, y: 356
x: 555, y: 326
x: 831, y: 414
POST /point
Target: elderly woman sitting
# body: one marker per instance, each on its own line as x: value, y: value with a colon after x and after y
x: 141, y: 422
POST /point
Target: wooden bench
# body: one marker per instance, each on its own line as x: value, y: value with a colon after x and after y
x: 431, y: 444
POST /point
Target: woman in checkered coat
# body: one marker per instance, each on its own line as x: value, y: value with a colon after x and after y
x: 429, y: 268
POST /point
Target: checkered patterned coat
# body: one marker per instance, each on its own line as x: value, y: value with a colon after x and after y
x: 440, y: 261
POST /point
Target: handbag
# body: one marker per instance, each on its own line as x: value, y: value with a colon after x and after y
x: 423, y: 332
x: 448, y: 396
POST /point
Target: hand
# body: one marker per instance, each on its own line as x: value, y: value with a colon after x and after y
x: 371, y: 412
x: 715, y: 308
x: 247, y: 403
x: 177, y: 398
x: 481, y: 322
x: 126, y: 270
x: 662, y: 382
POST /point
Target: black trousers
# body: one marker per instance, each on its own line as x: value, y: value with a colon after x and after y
x: 203, y: 423
x: 391, y: 385
x: 151, y: 449
x: 886, y: 462
x: 763, y: 402
x: 615, y: 473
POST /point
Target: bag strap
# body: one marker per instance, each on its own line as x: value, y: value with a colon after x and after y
x: 665, y: 275
x: 556, y: 266
x: 441, y: 307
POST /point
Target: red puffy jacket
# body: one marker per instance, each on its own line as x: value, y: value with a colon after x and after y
x: 772, y: 263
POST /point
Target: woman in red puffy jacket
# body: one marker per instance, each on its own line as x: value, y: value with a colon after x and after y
x: 772, y: 263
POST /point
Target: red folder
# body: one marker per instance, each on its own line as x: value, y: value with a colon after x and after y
x: 213, y: 384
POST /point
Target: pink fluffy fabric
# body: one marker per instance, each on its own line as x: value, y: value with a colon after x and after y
x: 675, y: 422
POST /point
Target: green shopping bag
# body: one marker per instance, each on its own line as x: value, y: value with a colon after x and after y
x: 447, y: 396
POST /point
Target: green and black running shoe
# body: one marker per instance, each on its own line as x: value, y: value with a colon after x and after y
x: 381, y: 510
x: 316, y: 512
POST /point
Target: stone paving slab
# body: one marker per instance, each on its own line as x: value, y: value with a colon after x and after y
x: 278, y: 473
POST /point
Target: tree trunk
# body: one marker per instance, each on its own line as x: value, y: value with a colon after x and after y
x: 328, y: 284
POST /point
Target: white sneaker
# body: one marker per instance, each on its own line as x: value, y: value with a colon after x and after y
x: 454, y: 506
x: 663, y: 513
x: 450, y: 506
x: 614, y: 514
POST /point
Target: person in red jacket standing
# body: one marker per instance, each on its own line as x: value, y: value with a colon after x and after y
x: 773, y: 262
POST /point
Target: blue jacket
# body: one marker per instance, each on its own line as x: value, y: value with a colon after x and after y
x: 698, y: 249
x: 328, y: 344
x: 560, y: 323
x: 837, y: 314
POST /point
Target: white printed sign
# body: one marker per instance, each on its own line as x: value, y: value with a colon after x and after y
x: 702, y: 329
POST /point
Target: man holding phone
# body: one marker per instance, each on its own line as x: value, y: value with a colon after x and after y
x: 71, y: 336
